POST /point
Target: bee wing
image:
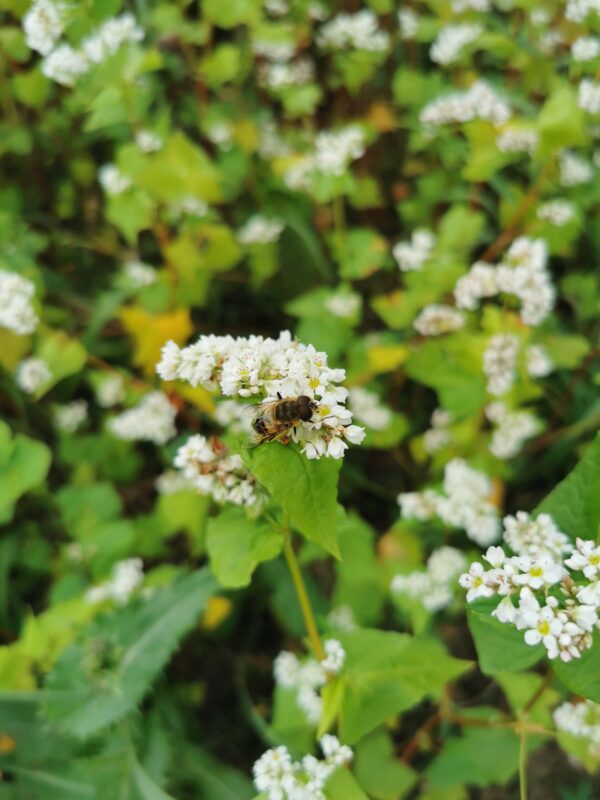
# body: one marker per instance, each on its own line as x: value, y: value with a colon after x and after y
x: 255, y: 410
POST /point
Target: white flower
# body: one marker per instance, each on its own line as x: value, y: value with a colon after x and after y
x: 420, y: 505
x: 71, y: 416
x: 32, y: 373
x: 260, y: 230
x: 541, y: 623
x: 342, y: 617
x: 335, y: 752
x: 286, y: 669
x: 368, y: 409
x: 335, y: 150
x: 280, y: 75
x: 112, y: 180
x: 585, y: 558
x: 539, y: 362
x: 517, y: 140
x: 148, y: 141
x: 459, y: 6
x: 588, y: 97
x: 475, y: 582
x: 151, y: 420
x: 574, y: 170
x: 479, y: 282
x: 171, y: 482
x: 499, y: 362
x: 189, y: 205
x: 408, y: 22
x: 413, y: 254
x: 523, y: 273
x: 16, y: 310
x: 335, y: 655
x: 478, y: 102
x: 435, y: 320
x: 590, y: 594
x: 539, y: 572
x: 139, y: 274
x: 344, y: 304
x: 577, y: 10
x: 233, y: 415
x: 581, y: 719
x: 513, y: 428
x: 438, y: 435
x: 535, y: 538
x: 65, y: 65
x: 586, y: 48
x: 111, y: 391
x: 273, y: 772
x: 221, y: 134
x: 558, y: 212
x: 126, y: 577
x: 110, y: 36
x: 450, y: 41
x: 358, y: 31
x: 43, y: 26
x: 505, y: 611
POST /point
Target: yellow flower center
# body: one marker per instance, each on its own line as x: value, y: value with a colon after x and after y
x: 536, y: 572
x: 544, y: 628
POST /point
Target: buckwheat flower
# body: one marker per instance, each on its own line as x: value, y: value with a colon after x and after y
x: 585, y: 558
x: 139, y: 274
x: 16, y: 309
x: 436, y: 320
x: 358, y: 31
x: 574, y: 170
x: 586, y: 48
x: 418, y: 505
x: 588, y: 96
x: 271, y: 144
x: 581, y: 719
x: 578, y: 10
x: 281, y: 75
x: 539, y: 17
x: 541, y: 624
x: 413, y: 254
x: 111, y: 391
x: 335, y: 655
x: 233, y: 416
x: 475, y: 582
x: 126, y: 577
x: 535, y: 537
x: 480, y: 281
x: 260, y: 230
x: 335, y: 150
x: 450, y: 41
x: 286, y: 669
x: 540, y: 572
x: 499, y: 363
x: 275, y: 51
x: 550, y: 41
x: 274, y: 773
x: 221, y: 134
x: 558, y: 212
x: 277, y: 8
x: 112, y: 180
x: 192, y: 206
x: 43, y: 26
x: 539, y: 363
x: 32, y: 373
x: 368, y: 409
x: 517, y: 140
x: 408, y: 22
x: 148, y: 141
x: 590, y: 594
x: 342, y: 618
x: 71, y: 416
x: 458, y: 6
x: 478, y: 102
x: 171, y: 482
x: 65, y: 65
x: 513, y: 428
x: 344, y: 304
x: 335, y: 752
x: 152, y: 420
x: 523, y: 273
x: 110, y: 36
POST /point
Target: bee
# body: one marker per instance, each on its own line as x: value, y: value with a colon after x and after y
x: 274, y: 419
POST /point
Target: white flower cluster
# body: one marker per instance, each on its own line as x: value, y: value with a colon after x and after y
x: 260, y: 230
x: 151, y: 420
x: 358, y: 31
x: 126, y: 577
x: 464, y: 503
x: 554, y: 607
x: 500, y: 362
x: 234, y: 416
x: 344, y: 304
x: 189, y: 205
x: 577, y: 10
x: 450, y: 41
x: 262, y: 367
x: 413, y: 254
x: 32, y: 373
x: 16, y: 311
x: 221, y: 134
x: 342, y: 618
x: 517, y: 140
x: 148, y: 141
x: 65, y: 64
x: 478, y: 102
x: 112, y: 180
x: 333, y: 152
x: 273, y: 50
x: 368, y: 409
x: 171, y: 481
x: 71, y: 416
x: 283, y: 779
x: 588, y: 96
x: 558, y: 212
x: 43, y: 26
x: 574, y: 170
x: 512, y: 429
x: 408, y: 22
x: 438, y: 435
x: 538, y: 362
x: 435, y: 320
x: 110, y: 391
x: 139, y: 274
x: 282, y: 74
x: 580, y: 719
x: 586, y: 48
x: 307, y: 677
x: 434, y: 586
x: 458, y: 6
x: 210, y: 469
x: 522, y: 273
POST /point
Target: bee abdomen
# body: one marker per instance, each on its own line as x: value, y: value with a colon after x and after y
x: 286, y: 412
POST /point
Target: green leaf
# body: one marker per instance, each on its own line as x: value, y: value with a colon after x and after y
x: 359, y: 252
x: 343, y: 786
x: 582, y: 675
x: 63, y: 355
x: 385, y: 673
x: 305, y: 489
x: 148, y: 790
x: 480, y: 757
x: 575, y: 503
x: 217, y: 781
x: 500, y: 647
x: 561, y: 123
x: 231, y: 13
x: 237, y: 544
x: 143, y: 637
x: 24, y: 464
x: 381, y: 775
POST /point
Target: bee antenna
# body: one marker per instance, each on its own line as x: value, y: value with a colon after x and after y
x: 279, y: 397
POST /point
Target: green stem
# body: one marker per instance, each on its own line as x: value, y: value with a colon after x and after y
x: 522, y: 761
x: 339, y: 219
x: 303, y: 599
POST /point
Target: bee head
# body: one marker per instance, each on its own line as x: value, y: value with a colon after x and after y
x: 306, y: 407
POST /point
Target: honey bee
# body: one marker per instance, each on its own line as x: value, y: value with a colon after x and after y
x: 275, y: 418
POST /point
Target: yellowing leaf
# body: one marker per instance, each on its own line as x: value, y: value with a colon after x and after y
x: 386, y: 358
x: 150, y: 331
x: 7, y: 744
x: 199, y: 397
x: 217, y: 610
